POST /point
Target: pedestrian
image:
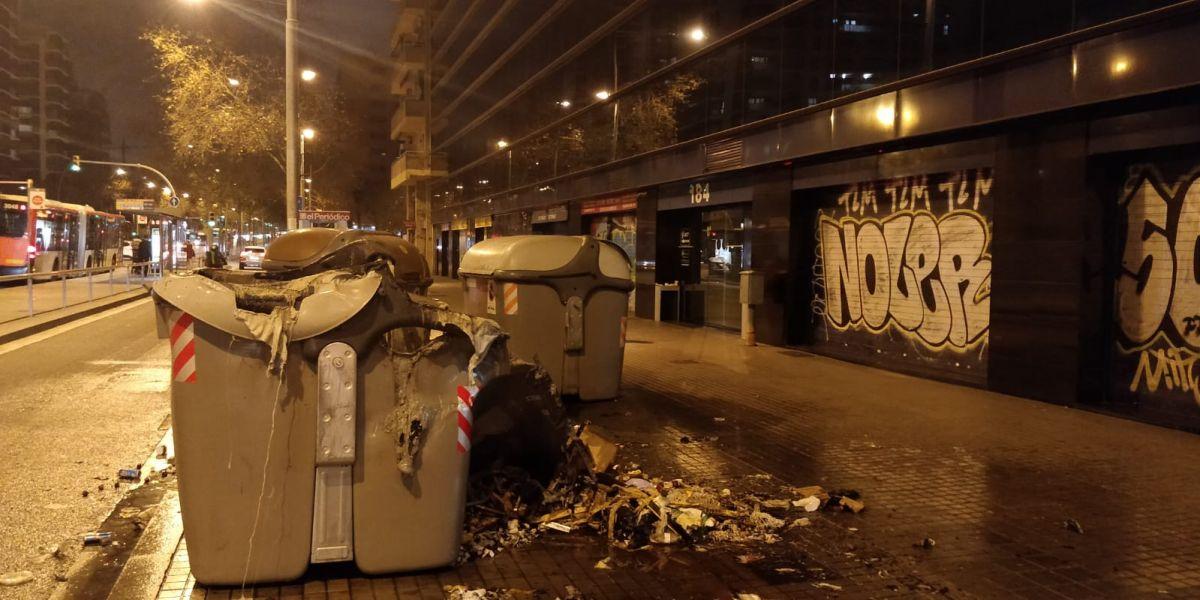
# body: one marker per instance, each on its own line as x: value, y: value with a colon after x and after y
x: 144, y: 256
x: 189, y: 252
x: 214, y: 258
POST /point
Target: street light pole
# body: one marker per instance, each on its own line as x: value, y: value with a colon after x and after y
x: 289, y: 41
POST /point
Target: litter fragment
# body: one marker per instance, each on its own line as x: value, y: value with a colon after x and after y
x: 601, y: 449
x: 827, y: 586
x: 97, y: 538
x: 801, y: 522
x: 1073, y: 525
x: 928, y: 543
x: 749, y: 597
x: 603, y: 565
x: 129, y: 474
x: 16, y: 578
x: 809, y: 504
x: 718, y: 419
x: 557, y: 527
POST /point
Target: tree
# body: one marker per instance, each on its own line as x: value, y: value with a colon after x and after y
x: 224, y: 114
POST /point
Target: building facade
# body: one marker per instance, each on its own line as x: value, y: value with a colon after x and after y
x: 995, y: 193
x: 45, y: 117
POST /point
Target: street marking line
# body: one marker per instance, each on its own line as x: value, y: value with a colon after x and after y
x: 49, y: 333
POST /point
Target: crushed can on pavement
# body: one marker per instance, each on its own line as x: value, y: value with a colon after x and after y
x: 316, y: 418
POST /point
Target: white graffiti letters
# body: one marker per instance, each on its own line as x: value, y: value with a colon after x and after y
x: 1159, y: 277
x: 926, y: 275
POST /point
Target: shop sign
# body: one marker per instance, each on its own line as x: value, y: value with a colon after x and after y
x: 485, y: 221
x: 136, y: 204
x: 460, y: 224
x: 614, y: 204
x: 552, y: 214
x: 324, y: 216
x: 142, y: 220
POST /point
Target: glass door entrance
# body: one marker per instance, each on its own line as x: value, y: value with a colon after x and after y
x: 724, y: 252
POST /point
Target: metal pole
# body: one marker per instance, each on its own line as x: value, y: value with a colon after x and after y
x: 89, y: 276
x: 29, y: 289
x: 289, y: 41
x: 111, y: 271
x: 303, y: 199
x: 64, y: 280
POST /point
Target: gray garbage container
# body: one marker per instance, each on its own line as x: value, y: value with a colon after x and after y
x: 562, y: 299
x: 311, y: 426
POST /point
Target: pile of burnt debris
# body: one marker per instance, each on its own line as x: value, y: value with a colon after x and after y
x: 587, y: 492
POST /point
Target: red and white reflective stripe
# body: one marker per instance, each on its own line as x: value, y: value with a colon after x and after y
x: 510, y: 298
x: 624, y: 321
x: 183, y: 348
x: 466, y: 399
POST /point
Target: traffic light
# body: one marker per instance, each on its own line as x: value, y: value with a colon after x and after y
x: 75, y: 166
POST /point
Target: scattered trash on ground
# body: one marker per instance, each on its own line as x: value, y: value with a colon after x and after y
x: 16, y: 578
x: 927, y: 543
x: 461, y: 592
x: 129, y: 474
x: 1073, y: 525
x: 507, y: 507
x: 827, y: 586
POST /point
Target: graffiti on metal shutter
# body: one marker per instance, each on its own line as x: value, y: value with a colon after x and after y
x: 1157, y: 287
x: 903, y: 270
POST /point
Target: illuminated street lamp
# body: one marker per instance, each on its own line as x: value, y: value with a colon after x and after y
x: 564, y: 103
x: 697, y: 34
x: 234, y: 82
x: 602, y: 95
x: 308, y: 75
x: 151, y: 184
x: 120, y: 171
x: 502, y: 144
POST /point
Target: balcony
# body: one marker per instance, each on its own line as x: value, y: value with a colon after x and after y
x: 409, y: 23
x: 409, y: 58
x: 407, y: 84
x: 413, y: 167
x: 409, y: 118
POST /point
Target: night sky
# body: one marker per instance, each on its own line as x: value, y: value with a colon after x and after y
x: 109, y: 56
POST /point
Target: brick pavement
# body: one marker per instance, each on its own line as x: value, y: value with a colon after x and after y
x: 990, y: 478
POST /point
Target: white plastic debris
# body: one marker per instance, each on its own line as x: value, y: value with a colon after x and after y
x: 16, y: 578
x: 809, y: 504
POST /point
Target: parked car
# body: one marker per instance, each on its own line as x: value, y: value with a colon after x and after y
x: 251, y: 257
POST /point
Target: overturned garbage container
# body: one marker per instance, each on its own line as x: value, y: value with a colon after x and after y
x: 315, y: 422
x: 562, y: 299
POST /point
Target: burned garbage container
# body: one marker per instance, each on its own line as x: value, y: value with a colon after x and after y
x: 562, y: 299
x: 310, y: 426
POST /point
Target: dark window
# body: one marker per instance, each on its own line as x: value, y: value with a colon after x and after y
x: 14, y: 222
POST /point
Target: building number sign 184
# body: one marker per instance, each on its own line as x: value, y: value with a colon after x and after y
x: 699, y: 192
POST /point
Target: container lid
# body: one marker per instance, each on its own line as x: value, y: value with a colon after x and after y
x: 321, y: 248
x: 539, y: 254
x: 326, y: 300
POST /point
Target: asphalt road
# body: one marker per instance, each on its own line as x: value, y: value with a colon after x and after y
x: 77, y: 403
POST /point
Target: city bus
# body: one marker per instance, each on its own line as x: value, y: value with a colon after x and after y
x: 15, y: 249
x: 57, y: 236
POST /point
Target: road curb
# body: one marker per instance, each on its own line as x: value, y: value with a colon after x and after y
x: 52, y: 319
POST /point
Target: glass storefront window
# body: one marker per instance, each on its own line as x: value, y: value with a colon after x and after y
x: 724, y: 253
